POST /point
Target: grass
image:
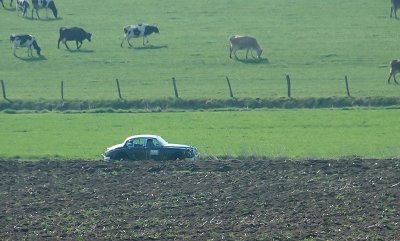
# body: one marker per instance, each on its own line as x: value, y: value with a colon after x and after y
x: 323, y: 133
x: 316, y: 42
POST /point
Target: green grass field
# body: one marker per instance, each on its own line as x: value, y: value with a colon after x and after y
x: 316, y: 42
x: 303, y: 134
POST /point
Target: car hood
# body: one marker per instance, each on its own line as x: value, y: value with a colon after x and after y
x: 177, y: 146
x: 115, y: 147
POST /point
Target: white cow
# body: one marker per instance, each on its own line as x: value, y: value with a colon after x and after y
x: 244, y: 42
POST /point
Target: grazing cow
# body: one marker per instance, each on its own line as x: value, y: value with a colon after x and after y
x: 244, y: 42
x: 394, y: 69
x: 140, y: 30
x: 73, y: 34
x: 22, y: 5
x: 395, y: 6
x: 24, y: 40
x: 46, y: 4
x: 1, y: 1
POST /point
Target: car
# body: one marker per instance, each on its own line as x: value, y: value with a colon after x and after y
x: 149, y: 147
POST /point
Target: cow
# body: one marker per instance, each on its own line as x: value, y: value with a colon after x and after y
x: 243, y: 42
x: 1, y: 1
x: 394, y: 69
x: 22, y: 5
x: 140, y: 30
x: 24, y: 40
x: 394, y: 7
x: 46, y: 4
x: 73, y: 34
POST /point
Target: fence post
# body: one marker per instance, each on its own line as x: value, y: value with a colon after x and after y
x: 347, y: 85
x: 288, y: 85
x: 175, y: 89
x: 3, y: 87
x: 118, y: 88
x: 230, y: 88
x: 62, y: 89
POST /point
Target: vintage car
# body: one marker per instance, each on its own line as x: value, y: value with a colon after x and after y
x: 149, y: 147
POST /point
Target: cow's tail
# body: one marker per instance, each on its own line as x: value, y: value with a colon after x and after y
x: 53, y: 8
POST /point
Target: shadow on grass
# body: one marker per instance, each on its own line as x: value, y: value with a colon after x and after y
x: 80, y: 50
x: 44, y: 19
x: 32, y: 59
x: 253, y: 61
x: 149, y: 47
x: 11, y: 9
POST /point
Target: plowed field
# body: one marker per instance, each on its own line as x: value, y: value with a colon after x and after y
x: 203, y: 200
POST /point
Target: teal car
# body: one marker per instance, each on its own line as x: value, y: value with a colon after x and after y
x: 149, y: 147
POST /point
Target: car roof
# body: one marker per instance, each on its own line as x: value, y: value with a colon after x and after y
x: 143, y: 136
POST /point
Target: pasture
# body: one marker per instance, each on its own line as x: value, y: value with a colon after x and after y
x: 316, y: 42
x: 295, y: 134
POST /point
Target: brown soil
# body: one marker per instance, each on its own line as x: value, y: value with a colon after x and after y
x: 203, y: 200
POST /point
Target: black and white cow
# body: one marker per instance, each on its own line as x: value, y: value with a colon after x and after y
x: 46, y: 4
x: 24, y: 40
x: 22, y: 5
x: 136, y: 31
x: 394, y: 69
x: 1, y: 1
x: 73, y: 34
x: 395, y: 5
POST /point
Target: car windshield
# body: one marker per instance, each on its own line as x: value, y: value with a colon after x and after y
x: 162, y: 141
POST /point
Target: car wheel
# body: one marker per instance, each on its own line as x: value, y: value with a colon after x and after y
x: 177, y: 156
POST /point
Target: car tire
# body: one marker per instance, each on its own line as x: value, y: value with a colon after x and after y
x: 177, y: 156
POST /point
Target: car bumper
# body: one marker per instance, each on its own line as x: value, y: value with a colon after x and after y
x: 105, y: 158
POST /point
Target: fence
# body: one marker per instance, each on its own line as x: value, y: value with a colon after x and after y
x: 175, y: 88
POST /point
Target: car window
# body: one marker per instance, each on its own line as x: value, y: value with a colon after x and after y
x: 151, y: 142
x: 138, y: 142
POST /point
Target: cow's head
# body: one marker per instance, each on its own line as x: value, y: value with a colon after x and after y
x: 89, y: 37
x: 36, y: 47
x: 155, y: 29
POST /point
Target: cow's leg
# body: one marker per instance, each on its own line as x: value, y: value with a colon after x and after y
x: 11, y: 3
x: 66, y: 44
x: 123, y: 40
x: 230, y: 51
x: 13, y: 50
x: 247, y: 53
x: 78, y: 47
x: 2, y: 3
x: 143, y: 41
x: 390, y: 76
x: 47, y: 15
x: 129, y: 42
x: 234, y: 53
x: 394, y: 77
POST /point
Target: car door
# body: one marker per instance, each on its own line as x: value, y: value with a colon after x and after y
x: 153, y: 149
x: 136, y: 149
